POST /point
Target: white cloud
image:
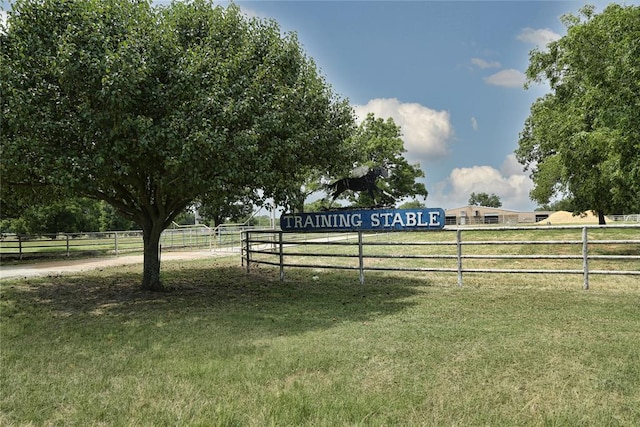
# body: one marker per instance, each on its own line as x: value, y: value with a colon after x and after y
x: 510, y: 184
x: 511, y: 166
x: 507, y: 78
x: 540, y: 37
x: 3, y: 19
x: 481, y: 63
x: 474, y: 123
x: 425, y: 132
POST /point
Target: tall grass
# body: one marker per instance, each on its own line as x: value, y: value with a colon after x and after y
x: 229, y: 348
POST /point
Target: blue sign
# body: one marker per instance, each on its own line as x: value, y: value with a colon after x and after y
x: 365, y: 219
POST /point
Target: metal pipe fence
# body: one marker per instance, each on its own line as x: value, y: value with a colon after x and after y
x: 583, y: 250
x: 226, y: 236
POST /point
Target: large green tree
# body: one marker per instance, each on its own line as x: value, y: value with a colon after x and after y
x: 378, y: 142
x: 148, y: 107
x: 582, y: 140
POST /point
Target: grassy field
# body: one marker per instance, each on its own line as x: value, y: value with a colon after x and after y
x: 227, y: 348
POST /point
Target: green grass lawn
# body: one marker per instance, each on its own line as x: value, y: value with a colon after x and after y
x: 227, y: 348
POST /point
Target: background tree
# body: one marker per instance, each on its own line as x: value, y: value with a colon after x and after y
x: 412, y: 204
x: 66, y: 215
x: 378, y: 142
x: 110, y: 220
x: 316, y: 177
x: 220, y: 208
x: 558, y: 205
x: 484, y: 199
x: 582, y: 140
x: 186, y: 217
x: 147, y: 108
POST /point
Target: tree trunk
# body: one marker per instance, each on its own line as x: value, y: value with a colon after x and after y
x: 151, y: 270
x: 601, y: 219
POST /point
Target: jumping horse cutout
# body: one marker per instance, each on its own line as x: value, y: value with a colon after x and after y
x: 363, y: 179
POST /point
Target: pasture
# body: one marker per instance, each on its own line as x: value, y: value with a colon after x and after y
x: 229, y: 348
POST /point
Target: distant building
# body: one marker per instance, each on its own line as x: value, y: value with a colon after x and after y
x: 475, y: 215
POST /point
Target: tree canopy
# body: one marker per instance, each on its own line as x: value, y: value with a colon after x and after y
x: 582, y: 140
x: 557, y: 205
x: 378, y: 142
x: 484, y: 199
x: 148, y: 108
x: 220, y: 208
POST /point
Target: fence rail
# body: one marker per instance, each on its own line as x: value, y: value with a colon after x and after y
x: 615, y: 249
x: 225, y: 236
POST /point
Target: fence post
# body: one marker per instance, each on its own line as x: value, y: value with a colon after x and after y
x: 115, y: 242
x: 67, y: 236
x: 20, y: 246
x: 459, y: 255
x: 243, y: 236
x: 246, y: 250
x: 585, y: 258
x: 360, y: 257
x: 281, y: 252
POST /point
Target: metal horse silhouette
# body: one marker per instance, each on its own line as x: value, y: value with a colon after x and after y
x: 363, y: 179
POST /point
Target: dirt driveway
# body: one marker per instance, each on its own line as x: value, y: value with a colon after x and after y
x: 77, y: 265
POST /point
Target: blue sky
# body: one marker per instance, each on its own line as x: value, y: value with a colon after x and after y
x: 449, y: 72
